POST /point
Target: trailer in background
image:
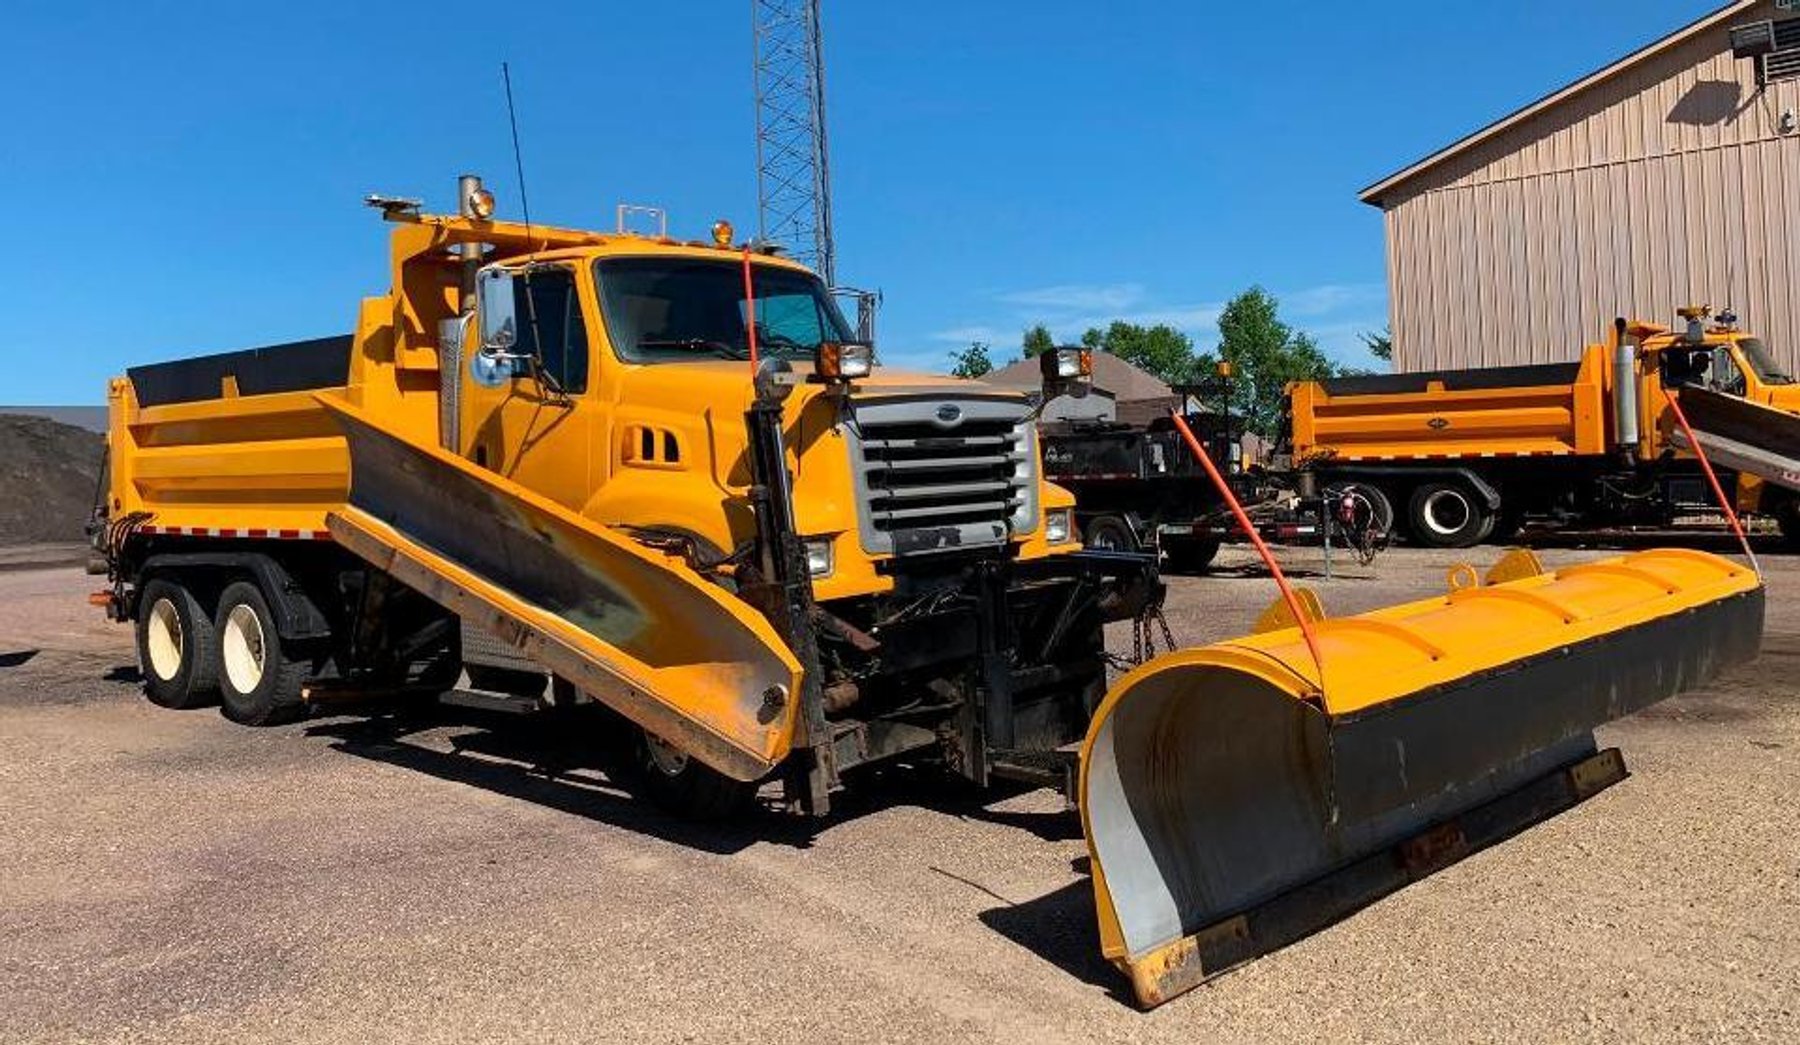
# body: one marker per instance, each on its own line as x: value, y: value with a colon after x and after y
x: 1137, y: 488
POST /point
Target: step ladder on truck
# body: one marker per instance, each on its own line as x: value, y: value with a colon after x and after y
x: 665, y: 480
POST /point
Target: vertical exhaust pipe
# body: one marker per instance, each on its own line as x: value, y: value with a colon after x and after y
x: 1625, y: 393
x: 452, y: 332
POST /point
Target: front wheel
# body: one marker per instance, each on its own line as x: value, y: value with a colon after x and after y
x: 1447, y: 515
x: 259, y: 678
x: 684, y: 786
x: 1110, y: 533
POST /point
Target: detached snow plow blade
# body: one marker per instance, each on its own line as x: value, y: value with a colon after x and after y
x: 1233, y: 803
x: 635, y: 628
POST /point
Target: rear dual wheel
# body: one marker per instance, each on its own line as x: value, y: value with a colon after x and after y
x: 177, y: 652
x: 260, y: 676
x: 1449, y: 515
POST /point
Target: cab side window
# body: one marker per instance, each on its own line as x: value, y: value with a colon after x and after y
x: 1725, y: 376
x: 548, y: 314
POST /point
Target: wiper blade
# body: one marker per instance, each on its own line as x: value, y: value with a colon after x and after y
x: 717, y: 347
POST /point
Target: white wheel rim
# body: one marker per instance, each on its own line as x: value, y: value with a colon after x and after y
x: 242, y: 648
x: 163, y: 639
x: 1442, y: 504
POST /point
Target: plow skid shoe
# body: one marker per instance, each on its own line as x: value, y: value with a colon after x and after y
x: 1233, y: 800
x: 636, y: 628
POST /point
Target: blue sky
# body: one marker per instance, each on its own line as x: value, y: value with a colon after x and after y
x: 186, y: 177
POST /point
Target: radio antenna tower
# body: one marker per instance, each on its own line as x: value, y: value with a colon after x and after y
x: 793, y: 178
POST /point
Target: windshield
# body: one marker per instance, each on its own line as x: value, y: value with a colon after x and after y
x: 1767, y: 368
x: 667, y: 310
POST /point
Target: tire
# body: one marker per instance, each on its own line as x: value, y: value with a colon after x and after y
x: 1381, y: 507
x: 1507, y: 524
x: 1447, y: 515
x: 682, y: 785
x: 1190, y: 554
x: 259, y: 677
x: 1110, y: 533
x: 177, y: 653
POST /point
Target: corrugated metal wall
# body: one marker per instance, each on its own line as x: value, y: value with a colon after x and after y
x: 1671, y: 183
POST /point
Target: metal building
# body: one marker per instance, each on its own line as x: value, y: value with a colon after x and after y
x: 1669, y: 177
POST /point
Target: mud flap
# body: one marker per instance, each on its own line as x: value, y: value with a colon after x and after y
x: 636, y: 628
x: 1216, y: 782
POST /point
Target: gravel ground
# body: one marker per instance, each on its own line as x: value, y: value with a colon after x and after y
x: 167, y: 876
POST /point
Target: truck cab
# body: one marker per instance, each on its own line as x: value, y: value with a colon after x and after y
x: 613, y: 378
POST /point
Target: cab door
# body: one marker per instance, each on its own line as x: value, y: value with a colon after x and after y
x: 528, y: 408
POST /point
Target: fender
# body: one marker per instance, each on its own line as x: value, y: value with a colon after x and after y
x: 297, y: 617
x: 1483, y: 489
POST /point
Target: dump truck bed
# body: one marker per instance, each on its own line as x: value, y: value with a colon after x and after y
x: 1549, y: 409
x: 234, y: 444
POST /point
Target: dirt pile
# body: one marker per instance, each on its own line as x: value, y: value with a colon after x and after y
x: 47, y: 475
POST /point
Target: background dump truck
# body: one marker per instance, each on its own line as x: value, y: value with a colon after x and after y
x: 1138, y: 488
x: 543, y: 453
x: 1465, y: 455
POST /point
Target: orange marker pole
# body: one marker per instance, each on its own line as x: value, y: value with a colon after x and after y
x: 1268, y: 557
x: 1737, y: 527
x: 750, y: 309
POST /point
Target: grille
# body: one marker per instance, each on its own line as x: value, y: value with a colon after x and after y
x: 941, y: 473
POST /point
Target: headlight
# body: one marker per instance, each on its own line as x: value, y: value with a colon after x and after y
x: 843, y: 361
x: 1056, y: 526
x: 818, y: 558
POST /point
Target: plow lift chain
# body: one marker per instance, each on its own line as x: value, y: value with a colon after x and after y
x: 1147, y: 628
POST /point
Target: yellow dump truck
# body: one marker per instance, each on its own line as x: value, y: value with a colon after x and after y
x: 1460, y: 456
x: 533, y: 456
x: 663, y: 484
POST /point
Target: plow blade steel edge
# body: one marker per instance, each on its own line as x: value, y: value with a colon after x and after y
x: 634, y: 627
x: 1218, y: 779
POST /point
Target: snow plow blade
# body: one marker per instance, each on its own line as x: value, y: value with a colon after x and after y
x: 635, y: 628
x: 1233, y: 802
x: 1745, y: 436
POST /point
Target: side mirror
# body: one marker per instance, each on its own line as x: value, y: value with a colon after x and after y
x: 499, y: 325
x: 1067, y: 371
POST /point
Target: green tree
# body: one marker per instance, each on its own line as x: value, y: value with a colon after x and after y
x: 1265, y: 355
x: 1037, y: 341
x: 1381, y: 345
x: 971, y: 362
x: 1161, y: 350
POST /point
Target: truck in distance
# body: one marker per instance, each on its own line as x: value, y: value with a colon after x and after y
x: 1467, y: 455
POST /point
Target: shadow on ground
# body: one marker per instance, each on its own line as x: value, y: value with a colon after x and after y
x: 551, y: 759
x: 1059, y: 928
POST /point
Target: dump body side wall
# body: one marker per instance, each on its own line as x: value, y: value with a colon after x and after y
x: 1550, y: 410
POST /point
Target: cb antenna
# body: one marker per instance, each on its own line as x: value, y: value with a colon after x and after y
x: 518, y: 159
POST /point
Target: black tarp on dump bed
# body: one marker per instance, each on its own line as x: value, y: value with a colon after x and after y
x: 1475, y: 379
x: 295, y: 366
